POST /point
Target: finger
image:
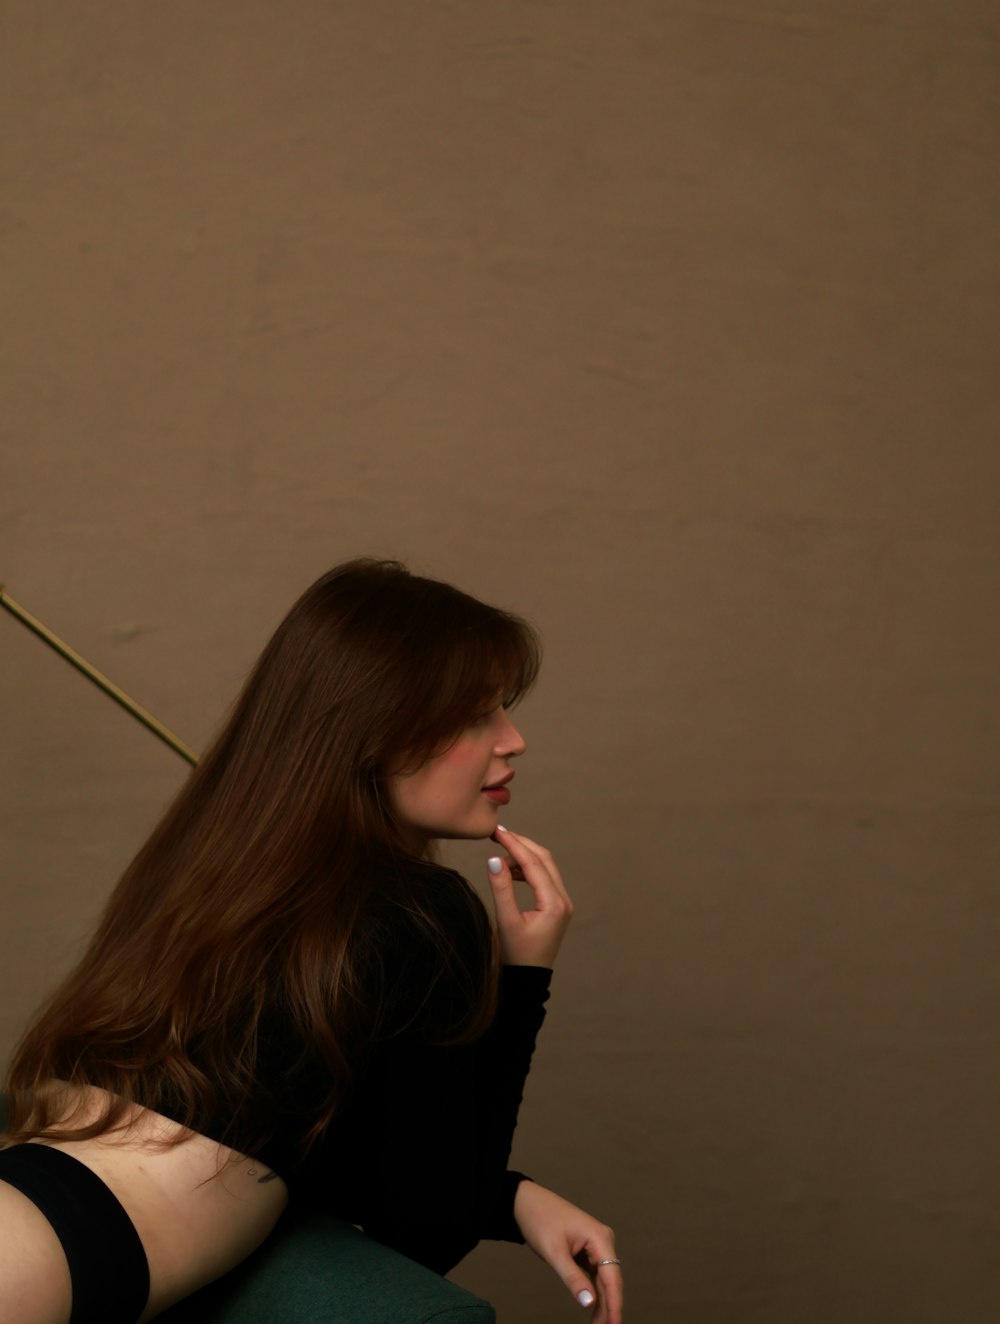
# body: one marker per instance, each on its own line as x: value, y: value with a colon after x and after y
x: 581, y: 1288
x: 502, y: 884
x: 537, y: 867
x: 598, y: 1255
x: 516, y: 872
x: 532, y: 849
x: 611, y: 1290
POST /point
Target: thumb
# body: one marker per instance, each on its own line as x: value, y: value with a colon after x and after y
x: 580, y: 1286
x: 566, y: 1268
x: 504, y: 900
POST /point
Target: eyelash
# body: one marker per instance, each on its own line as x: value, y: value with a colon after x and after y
x: 485, y: 717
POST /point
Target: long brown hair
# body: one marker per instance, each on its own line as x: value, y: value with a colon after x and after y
x: 254, y: 890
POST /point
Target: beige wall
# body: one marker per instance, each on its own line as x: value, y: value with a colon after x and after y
x: 675, y: 326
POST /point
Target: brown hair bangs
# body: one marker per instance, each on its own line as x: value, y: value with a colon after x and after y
x: 481, y: 658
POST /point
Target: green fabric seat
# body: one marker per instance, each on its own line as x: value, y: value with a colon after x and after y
x: 316, y: 1269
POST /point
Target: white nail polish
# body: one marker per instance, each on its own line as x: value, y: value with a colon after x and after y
x: 495, y: 864
x: 501, y: 828
x: 585, y: 1298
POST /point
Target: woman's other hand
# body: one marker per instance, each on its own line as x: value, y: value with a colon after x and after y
x: 528, y: 937
x: 573, y: 1244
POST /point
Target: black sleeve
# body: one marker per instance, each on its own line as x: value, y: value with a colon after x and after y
x: 502, y: 1064
x: 419, y: 1159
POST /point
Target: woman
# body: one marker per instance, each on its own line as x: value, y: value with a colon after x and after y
x: 288, y: 996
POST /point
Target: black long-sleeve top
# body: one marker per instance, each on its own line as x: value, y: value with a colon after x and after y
x: 418, y: 1157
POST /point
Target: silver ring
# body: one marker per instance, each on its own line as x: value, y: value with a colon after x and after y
x: 600, y: 1262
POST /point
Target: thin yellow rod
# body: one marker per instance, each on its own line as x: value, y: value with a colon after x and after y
x: 101, y: 681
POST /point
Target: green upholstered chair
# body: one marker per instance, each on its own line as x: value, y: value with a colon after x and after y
x: 315, y: 1269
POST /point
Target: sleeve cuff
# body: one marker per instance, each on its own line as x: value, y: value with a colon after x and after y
x: 503, y: 1226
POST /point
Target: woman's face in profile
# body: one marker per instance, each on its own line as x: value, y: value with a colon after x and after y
x: 459, y: 792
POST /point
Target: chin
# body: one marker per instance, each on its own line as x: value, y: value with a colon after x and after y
x: 467, y: 831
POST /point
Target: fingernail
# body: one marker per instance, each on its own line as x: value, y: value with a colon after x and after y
x: 585, y: 1298
x: 501, y: 828
x: 495, y: 864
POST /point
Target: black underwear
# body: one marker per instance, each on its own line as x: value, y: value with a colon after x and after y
x: 107, y: 1262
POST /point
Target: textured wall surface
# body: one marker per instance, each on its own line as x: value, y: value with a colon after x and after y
x: 673, y: 325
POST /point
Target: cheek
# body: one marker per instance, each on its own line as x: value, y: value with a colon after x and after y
x: 459, y: 774
x: 437, y: 780
x: 463, y: 757
x: 451, y: 774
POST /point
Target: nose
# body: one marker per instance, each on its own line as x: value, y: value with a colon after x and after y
x: 510, y: 743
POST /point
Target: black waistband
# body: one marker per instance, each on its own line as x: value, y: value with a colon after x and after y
x: 107, y: 1262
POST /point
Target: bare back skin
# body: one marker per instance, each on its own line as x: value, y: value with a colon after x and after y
x: 199, y: 1210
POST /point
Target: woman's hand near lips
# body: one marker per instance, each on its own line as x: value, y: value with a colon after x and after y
x: 528, y: 937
